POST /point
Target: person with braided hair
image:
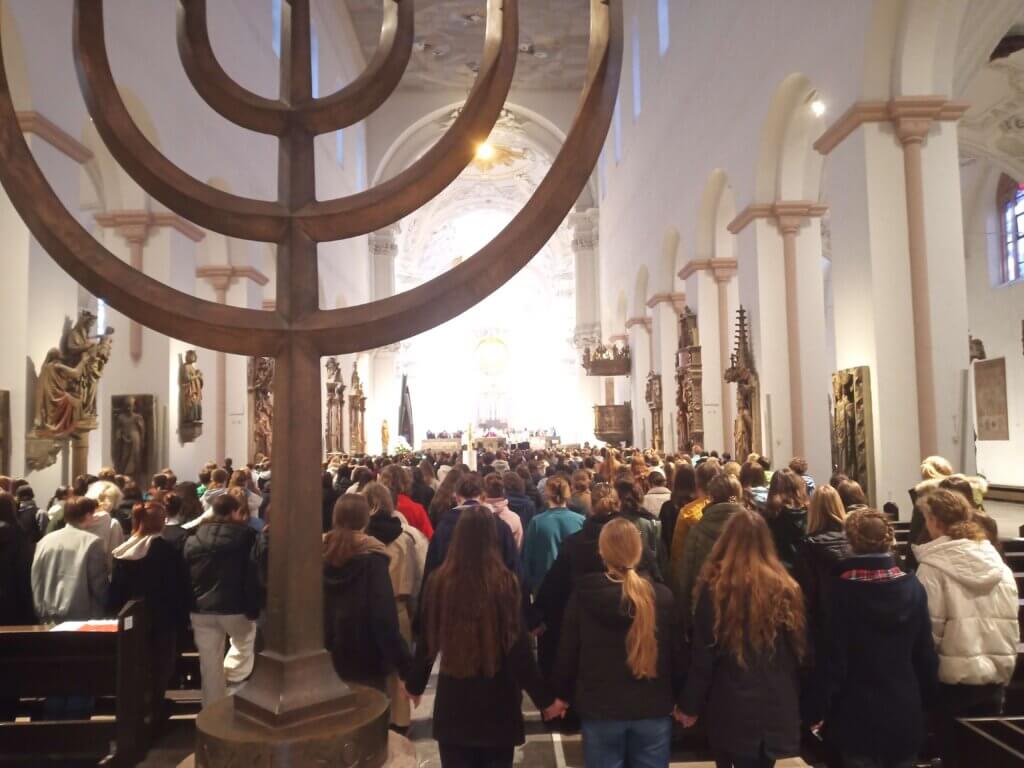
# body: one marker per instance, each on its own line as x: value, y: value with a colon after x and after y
x: 877, y: 667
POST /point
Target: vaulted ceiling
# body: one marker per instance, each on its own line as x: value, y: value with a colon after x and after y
x: 553, y: 37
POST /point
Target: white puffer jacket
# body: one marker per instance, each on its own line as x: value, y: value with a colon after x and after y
x: 972, y: 600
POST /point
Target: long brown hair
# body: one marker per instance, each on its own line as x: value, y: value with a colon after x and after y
x: 472, y: 601
x: 351, y: 516
x: 752, y: 595
x: 953, y: 513
x: 621, y: 549
x: 787, y: 490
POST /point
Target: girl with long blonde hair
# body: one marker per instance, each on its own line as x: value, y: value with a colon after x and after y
x: 618, y: 660
x: 748, y: 637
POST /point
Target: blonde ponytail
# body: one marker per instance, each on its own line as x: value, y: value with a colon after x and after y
x: 641, y: 641
x: 621, y: 548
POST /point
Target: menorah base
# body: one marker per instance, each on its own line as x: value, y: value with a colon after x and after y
x: 358, y: 737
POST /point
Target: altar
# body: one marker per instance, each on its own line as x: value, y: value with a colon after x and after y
x: 441, y: 445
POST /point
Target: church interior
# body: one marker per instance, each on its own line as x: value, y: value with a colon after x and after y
x: 489, y: 228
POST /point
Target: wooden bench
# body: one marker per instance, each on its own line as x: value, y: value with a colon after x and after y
x: 992, y: 742
x: 36, y: 663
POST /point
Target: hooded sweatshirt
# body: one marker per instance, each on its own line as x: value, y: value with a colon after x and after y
x: 592, y: 670
x: 512, y: 520
x: 150, y: 568
x: 973, y: 602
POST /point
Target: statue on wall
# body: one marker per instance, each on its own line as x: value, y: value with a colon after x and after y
x: 741, y: 372
x: 852, y: 436
x: 190, y: 398
x: 689, y: 383
x: 654, y: 403
x: 129, y: 438
x: 356, y: 415
x: 65, y: 392
x: 977, y: 348
x: 385, y: 437
x: 334, y: 431
x: 261, y: 406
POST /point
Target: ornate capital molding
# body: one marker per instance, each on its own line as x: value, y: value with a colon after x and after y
x: 693, y: 267
x: 34, y: 123
x: 666, y: 298
x: 135, y: 225
x: 220, y: 276
x: 585, y: 227
x: 912, y: 117
x: 724, y: 270
x: 384, y: 242
x: 644, y: 322
x: 789, y: 215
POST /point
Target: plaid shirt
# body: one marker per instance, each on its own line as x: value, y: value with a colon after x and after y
x: 863, y: 574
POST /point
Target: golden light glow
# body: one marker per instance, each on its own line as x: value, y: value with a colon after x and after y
x: 485, y: 151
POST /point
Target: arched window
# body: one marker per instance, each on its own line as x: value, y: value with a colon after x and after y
x: 1010, y: 202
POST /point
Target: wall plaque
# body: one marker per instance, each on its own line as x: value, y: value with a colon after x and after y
x: 991, y: 413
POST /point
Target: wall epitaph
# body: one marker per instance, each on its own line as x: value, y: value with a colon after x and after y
x: 133, y: 423
x: 190, y: 398
x: 853, y: 445
x: 261, y: 407
x: 334, y: 429
x: 741, y: 372
x: 654, y: 403
x: 689, y: 383
x: 357, y: 415
x: 991, y: 412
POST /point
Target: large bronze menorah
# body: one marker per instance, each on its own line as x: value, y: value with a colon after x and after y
x: 294, y: 679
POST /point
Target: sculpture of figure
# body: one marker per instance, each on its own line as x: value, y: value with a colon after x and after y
x: 190, y: 394
x: 335, y: 402
x: 58, y: 403
x: 261, y: 405
x: 743, y: 429
x: 385, y: 437
x: 129, y: 440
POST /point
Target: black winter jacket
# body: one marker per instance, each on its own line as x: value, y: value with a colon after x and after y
x: 789, y: 529
x: 748, y: 707
x: 523, y: 506
x: 361, y: 620
x: 161, y: 579
x: 817, y: 556
x: 16, y: 550
x: 222, y: 566
x: 881, y: 665
x: 592, y: 671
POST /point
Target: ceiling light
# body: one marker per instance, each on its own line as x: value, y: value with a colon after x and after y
x: 818, y: 107
x: 485, y: 151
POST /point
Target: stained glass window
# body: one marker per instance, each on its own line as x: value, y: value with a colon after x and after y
x: 1011, y: 204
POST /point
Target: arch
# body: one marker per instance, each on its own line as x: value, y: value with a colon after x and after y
x: 670, y: 266
x: 788, y: 166
x: 640, y: 293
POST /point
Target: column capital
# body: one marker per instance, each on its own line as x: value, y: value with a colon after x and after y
x: 135, y: 225
x: 384, y: 241
x: 912, y: 117
x: 586, y: 336
x: 643, y: 322
x: 585, y: 228
x: 221, y: 276
x: 675, y: 299
x: 789, y: 215
x: 721, y: 269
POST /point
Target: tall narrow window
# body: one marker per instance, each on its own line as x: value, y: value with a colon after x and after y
x: 1010, y: 198
x: 275, y: 26
x: 637, y: 96
x: 663, y: 33
x: 617, y: 126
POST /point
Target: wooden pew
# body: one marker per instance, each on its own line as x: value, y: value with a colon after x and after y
x: 36, y: 663
x: 993, y: 742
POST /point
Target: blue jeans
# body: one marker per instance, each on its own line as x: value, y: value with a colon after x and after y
x: 637, y: 743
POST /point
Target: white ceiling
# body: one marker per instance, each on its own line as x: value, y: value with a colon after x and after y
x: 553, y: 37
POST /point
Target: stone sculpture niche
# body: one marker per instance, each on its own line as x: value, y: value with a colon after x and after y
x: 294, y: 710
x: 741, y: 372
x: 190, y: 398
x: 654, y: 403
x: 334, y: 429
x: 689, y: 383
x: 132, y: 433
x: 357, y: 416
x: 853, y: 444
x: 64, y: 403
x: 261, y: 407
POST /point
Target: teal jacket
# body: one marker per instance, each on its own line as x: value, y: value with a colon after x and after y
x: 544, y: 536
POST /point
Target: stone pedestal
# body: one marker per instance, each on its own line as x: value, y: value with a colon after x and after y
x: 355, y: 738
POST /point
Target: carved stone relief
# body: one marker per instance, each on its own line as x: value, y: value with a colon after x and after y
x: 654, y: 403
x: 261, y: 407
x: 356, y: 414
x: 853, y: 445
x: 334, y: 430
x: 190, y: 398
x: 132, y: 436
x: 689, y: 383
x: 991, y: 412
x: 741, y: 371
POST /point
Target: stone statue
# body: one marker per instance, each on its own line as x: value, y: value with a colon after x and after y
x: 190, y: 393
x: 65, y: 393
x: 654, y: 403
x: 852, y: 441
x: 689, y: 383
x: 356, y: 414
x: 747, y: 425
x: 385, y: 437
x: 129, y: 440
x: 334, y: 429
x: 261, y: 406
x: 977, y: 348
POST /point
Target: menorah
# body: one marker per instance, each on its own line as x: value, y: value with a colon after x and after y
x: 294, y: 681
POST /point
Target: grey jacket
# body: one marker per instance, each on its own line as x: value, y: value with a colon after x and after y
x: 69, y: 576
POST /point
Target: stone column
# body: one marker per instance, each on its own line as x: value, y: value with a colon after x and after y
x: 723, y: 271
x: 383, y: 249
x: 665, y: 308
x: 639, y: 330
x: 133, y: 227
x: 585, y: 252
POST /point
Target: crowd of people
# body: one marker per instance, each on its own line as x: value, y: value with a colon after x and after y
x: 630, y: 594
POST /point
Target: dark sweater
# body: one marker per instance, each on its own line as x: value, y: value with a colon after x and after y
x: 361, y: 621
x: 438, y: 549
x: 222, y: 566
x: 789, y: 529
x: 160, y: 579
x: 592, y: 671
x: 523, y: 506
x: 881, y: 665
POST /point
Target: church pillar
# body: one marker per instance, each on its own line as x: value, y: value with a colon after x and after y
x: 639, y: 330
x: 383, y: 393
x: 665, y: 309
x: 723, y: 271
x: 588, y: 320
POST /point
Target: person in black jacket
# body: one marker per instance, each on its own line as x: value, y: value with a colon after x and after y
x: 619, y: 661
x: 684, y: 490
x: 817, y: 556
x: 518, y: 501
x: 148, y: 567
x: 787, y: 515
x: 225, y: 594
x: 472, y: 619
x: 360, y: 618
x: 748, y: 637
x: 881, y: 665
x: 16, y: 550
